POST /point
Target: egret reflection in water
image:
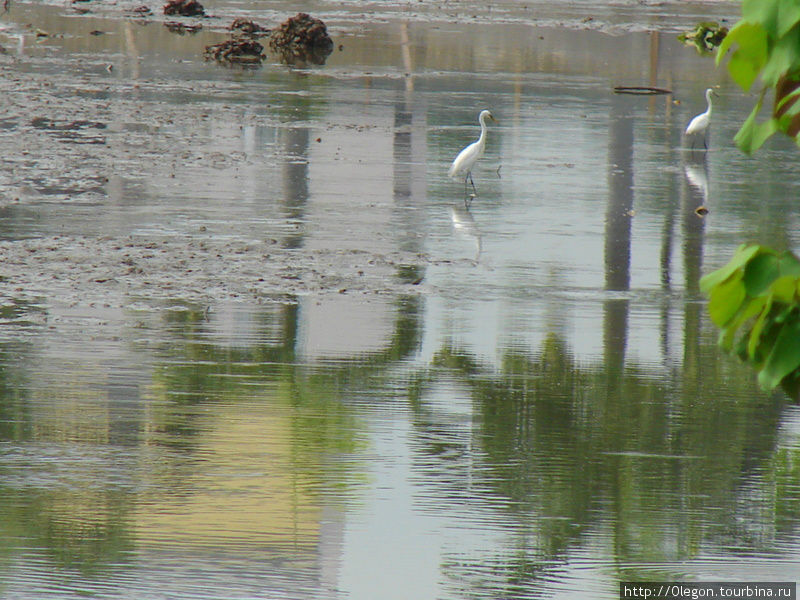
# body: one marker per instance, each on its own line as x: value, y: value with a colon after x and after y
x: 697, y: 176
x: 465, y: 225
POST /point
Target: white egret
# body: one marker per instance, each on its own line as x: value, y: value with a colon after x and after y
x: 467, y: 158
x: 700, y: 123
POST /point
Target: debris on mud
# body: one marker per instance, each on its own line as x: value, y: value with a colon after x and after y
x: 185, y: 8
x: 182, y: 28
x: 241, y: 48
x: 76, y: 132
x: 706, y: 36
x: 140, y: 11
x: 248, y: 27
x: 301, y: 39
x: 236, y: 51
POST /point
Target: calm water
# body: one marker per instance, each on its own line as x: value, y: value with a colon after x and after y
x: 547, y: 416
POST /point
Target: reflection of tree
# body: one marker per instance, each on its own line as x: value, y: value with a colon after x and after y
x: 88, y: 536
x: 322, y: 421
x: 13, y: 387
x: 194, y: 385
x: 569, y: 448
x: 82, y: 530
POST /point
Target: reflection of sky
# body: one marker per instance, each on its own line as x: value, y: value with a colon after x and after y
x: 390, y: 530
x: 407, y: 523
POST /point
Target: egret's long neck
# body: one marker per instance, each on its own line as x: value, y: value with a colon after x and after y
x: 708, y: 100
x: 482, y: 138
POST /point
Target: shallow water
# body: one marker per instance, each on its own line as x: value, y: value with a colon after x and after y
x: 252, y: 345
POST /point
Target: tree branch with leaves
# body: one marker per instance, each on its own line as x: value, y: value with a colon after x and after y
x: 765, y: 45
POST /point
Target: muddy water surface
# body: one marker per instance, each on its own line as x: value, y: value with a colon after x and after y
x: 252, y: 344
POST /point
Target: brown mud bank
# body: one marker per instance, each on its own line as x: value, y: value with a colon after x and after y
x: 111, y: 271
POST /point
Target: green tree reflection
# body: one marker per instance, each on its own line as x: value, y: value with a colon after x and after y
x: 672, y: 468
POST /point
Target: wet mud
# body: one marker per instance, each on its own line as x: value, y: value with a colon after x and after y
x: 73, y: 127
x: 113, y: 271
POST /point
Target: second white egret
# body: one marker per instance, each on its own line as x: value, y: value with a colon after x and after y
x: 699, y: 125
x: 466, y: 159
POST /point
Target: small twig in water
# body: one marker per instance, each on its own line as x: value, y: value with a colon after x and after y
x: 641, y: 90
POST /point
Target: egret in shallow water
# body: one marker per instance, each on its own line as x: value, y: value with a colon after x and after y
x: 700, y: 123
x: 467, y: 158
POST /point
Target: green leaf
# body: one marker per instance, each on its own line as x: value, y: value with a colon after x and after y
x: 784, y: 314
x: 751, y: 53
x: 748, y: 311
x: 751, y: 136
x: 788, y: 16
x: 788, y: 263
x: 740, y: 258
x: 763, y: 12
x: 775, y: 16
x: 785, y: 355
x: 758, y: 326
x: 759, y: 273
x: 783, y: 55
x: 783, y: 289
x: 726, y: 299
x: 763, y: 132
x: 741, y: 31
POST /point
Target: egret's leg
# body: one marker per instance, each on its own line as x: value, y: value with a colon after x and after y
x: 473, y: 184
x: 705, y: 140
x: 466, y: 177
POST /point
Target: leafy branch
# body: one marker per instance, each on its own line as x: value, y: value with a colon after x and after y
x: 767, y: 45
x: 755, y: 301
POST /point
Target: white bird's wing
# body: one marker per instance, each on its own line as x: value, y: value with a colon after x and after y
x: 464, y: 161
x: 698, y: 124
